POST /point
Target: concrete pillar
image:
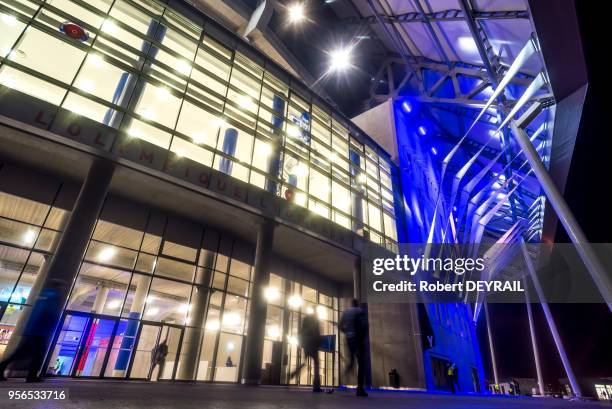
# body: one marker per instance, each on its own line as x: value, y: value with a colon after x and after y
x: 193, y: 336
x: 251, y: 373
x: 101, y: 296
x: 61, y: 270
x: 129, y: 336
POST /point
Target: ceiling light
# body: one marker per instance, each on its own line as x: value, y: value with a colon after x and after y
x: 29, y: 237
x: 292, y: 340
x: 273, y: 331
x: 300, y: 199
x: 245, y: 102
x: 231, y: 319
x: 407, y: 106
x: 87, y: 85
x: 422, y: 130
x: 321, y: 312
x: 183, y: 67
x: 113, y: 304
x: 230, y: 346
x: 9, y: 19
x: 8, y: 81
x: 163, y: 93
x: 109, y: 27
x: 96, y: 60
x: 340, y: 59
x: 183, y: 308
x: 152, y: 311
x: 361, y: 178
x: 197, y: 138
x: 309, y: 310
x: 294, y: 301
x: 106, y: 254
x: 272, y: 293
x: 293, y: 131
x: 212, y: 325
x: 434, y: 150
x: 264, y: 149
x: 147, y: 113
x: 135, y: 132
x: 467, y: 44
x: 296, y: 13
x: 300, y: 169
x: 219, y: 122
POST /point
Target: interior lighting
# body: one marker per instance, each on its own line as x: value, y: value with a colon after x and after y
x: 295, y: 301
x: 231, y: 319
x: 106, y: 254
x: 183, y: 67
x: 273, y: 331
x: 272, y: 293
x: 113, y: 304
x: 9, y: 19
x: 407, y: 106
x: 29, y: 237
x: 321, y: 312
x: 152, y: 312
x: 213, y: 325
x: 296, y: 13
x: 422, y: 130
x: 110, y: 27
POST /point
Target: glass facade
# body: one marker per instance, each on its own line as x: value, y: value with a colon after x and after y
x: 147, y: 278
x: 288, y: 303
x: 154, y: 75
x: 29, y: 232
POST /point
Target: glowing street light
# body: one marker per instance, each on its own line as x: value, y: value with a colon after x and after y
x: 340, y: 59
x: 296, y: 13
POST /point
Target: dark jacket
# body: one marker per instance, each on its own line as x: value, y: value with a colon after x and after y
x: 310, y: 335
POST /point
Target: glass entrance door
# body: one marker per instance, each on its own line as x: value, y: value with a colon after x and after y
x: 82, y: 346
x: 151, y: 339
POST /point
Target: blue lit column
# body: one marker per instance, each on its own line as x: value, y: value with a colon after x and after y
x: 230, y: 138
x: 129, y: 336
x: 274, y: 165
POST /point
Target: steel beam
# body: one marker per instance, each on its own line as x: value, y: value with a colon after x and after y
x: 573, y: 229
x: 444, y: 15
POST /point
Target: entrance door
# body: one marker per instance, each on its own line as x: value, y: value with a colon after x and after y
x: 151, y: 336
x: 82, y: 346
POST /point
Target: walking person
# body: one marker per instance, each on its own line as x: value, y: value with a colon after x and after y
x: 310, y: 340
x: 158, y: 358
x: 354, y: 325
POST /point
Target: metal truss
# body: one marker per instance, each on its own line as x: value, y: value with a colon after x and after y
x: 386, y: 84
x: 439, y: 16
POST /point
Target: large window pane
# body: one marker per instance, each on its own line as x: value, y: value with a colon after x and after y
x: 48, y: 55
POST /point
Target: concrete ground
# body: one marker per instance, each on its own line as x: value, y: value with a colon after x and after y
x: 92, y: 394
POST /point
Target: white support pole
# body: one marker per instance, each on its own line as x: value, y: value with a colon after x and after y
x: 588, y: 256
x: 551, y: 322
x: 534, y: 341
x: 491, y: 347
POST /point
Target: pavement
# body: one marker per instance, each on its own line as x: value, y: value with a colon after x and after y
x: 93, y: 394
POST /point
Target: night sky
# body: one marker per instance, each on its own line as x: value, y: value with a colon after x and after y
x: 586, y: 329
